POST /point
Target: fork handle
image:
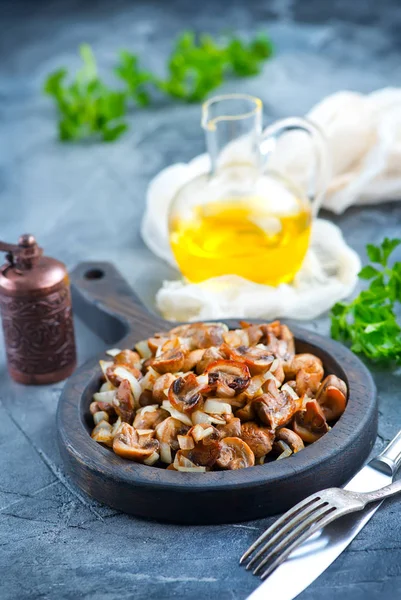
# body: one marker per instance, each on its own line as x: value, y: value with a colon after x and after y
x: 384, y: 492
x: 389, y: 461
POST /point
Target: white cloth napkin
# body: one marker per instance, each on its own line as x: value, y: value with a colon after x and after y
x: 364, y: 139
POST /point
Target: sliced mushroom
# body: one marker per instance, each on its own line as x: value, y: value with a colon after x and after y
x: 124, y: 401
x: 308, y: 362
x: 310, y: 423
x: 227, y: 377
x: 259, y: 439
x: 247, y: 413
x: 257, y: 359
x: 279, y: 340
x: 160, y: 386
x: 204, y: 432
x: 102, y: 433
x: 253, y: 331
x: 128, y: 358
x: 192, y: 359
x: 146, y: 398
x: 112, y: 373
x: 332, y: 397
x: 129, y: 445
x: 149, y: 417
x: 276, y: 407
x: 170, y: 361
x: 234, y: 454
x: 201, y: 335
x: 95, y: 407
x: 203, y: 454
x: 210, y: 356
x: 292, y: 439
x: 232, y: 428
x: 185, y: 393
x: 168, y: 430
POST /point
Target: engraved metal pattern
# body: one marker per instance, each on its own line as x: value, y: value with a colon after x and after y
x: 39, y: 332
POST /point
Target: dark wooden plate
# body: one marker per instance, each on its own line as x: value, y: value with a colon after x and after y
x: 109, y: 306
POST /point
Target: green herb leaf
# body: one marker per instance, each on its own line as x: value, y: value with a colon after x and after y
x: 369, y: 322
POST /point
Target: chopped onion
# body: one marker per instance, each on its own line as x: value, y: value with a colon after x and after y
x: 165, y: 453
x: 105, y: 364
x: 104, y: 396
x: 146, y: 409
x: 100, y: 416
x: 136, y: 389
x: 186, y: 442
x: 145, y: 432
x: 202, y: 379
x: 154, y: 457
x: 113, y: 351
x: 270, y: 375
x: 148, y: 381
x: 103, y: 425
x: 107, y: 387
x: 191, y: 469
x: 183, y: 461
x: 275, y: 365
x: 143, y: 349
x: 287, y: 388
x: 214, y: 406
x: 198, y: 433
x: 166, y: 404
x: 286, y: 450
x: 116, y: 427
x: 199, y: 416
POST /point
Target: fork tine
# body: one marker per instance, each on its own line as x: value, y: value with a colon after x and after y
x: 289, y: 514
x: 281, y: 532
x: 285, y: 538
x: 325, y: 520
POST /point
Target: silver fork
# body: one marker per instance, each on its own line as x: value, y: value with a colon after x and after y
x: 305, y: 519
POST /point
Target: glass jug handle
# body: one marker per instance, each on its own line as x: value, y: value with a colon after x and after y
x: 319, y: 144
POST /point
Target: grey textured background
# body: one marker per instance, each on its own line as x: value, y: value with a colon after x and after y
x: 85, y: 202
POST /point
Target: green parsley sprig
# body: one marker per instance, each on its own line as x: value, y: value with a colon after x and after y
x: 88, y: 108
x: 369, y: 323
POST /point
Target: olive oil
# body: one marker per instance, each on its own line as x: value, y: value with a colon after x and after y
x: 242, y: 236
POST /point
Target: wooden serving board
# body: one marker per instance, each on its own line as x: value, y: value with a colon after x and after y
x: 103, y: 299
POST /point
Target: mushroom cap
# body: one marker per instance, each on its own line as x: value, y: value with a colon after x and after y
x: 232, y: 428
x: 310, y: 423
x: 279, y: 340
x: 235, y: 454
x: 257, y: 359
x: 203, y: 454
x: 129, y: 445
x: 210, y: 356
x: 128, y: 358
x: 192, y: 359
x: 259, y: 439
x: 147, y: 418
x: 124, y: 401
x: 116, y: 379
x: 227, y: 377
x: 168, y: 430
x: 276, y: 407
x: 170, y: 361
x: 160, y: 385
x: 292, y: 439
x: 185, y: 393
x: 332, y: 397
x: 201, y: 335
x: 306, y: 361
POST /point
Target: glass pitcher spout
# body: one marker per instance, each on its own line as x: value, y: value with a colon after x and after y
x: 233, y: 129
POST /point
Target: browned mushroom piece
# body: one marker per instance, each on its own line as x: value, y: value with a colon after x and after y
x: 205, y: 433
x: 276, y: 407
x: 124, y: 402
x: 168, y: 430
x: 114, y: 376
x: 192, y: 359
x: 259, y: 439
x: 279, y: 340
x: 128, y: 358
x: 227, y: 377
x: 332, y: 397
x: 170, y: 361
x: 253, y: 331
x: 203, y: 454
x: 160, y: 385
x: 95, y: 407
x: 201, y: 335
x: 129, y: 445
x: 310, y: 423
x: 234, y: 454
x: 232, y: 428
x: 210, y: 356
x: 308, y: 362
x: 155, y: 342
x: 146, y: 398
x: 247, y: 413
x: 257, y: 359
x: 185, y: 393
x: 292, y: 439
x: 149, y: 417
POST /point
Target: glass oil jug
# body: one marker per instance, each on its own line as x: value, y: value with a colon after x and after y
x: 241, y: 218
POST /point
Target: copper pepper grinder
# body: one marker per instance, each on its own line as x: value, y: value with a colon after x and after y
x: 35, y: 306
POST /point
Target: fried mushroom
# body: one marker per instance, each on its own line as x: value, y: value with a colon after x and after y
x: 123, y: 402
x: 170, y: 361
x: 149, y: 417
x: 234, y: 453
x: 292, y: 439
x: 276, y: 407
x: 185, y: 394
x: 227, y: 377
x: 128, y: 444
x: 310, y: 423
x: 259, y: 439
x: 332, y: 397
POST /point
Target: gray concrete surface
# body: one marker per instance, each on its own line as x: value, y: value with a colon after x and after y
x: 85, y: 202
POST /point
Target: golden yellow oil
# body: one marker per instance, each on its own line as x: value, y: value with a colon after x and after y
x: 241, y: 237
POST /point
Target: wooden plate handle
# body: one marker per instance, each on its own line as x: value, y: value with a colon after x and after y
x: 103, y: 299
